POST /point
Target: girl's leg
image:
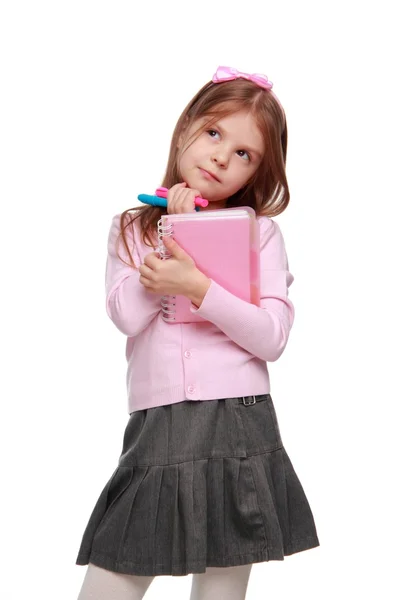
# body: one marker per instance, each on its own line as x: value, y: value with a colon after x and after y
x: 224, y: 583
x: 100, y: 584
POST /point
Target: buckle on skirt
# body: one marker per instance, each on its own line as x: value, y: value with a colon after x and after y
x: 251, y: 402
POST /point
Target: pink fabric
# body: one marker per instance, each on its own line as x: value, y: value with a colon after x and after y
x: 222, y: 358
x: 229, y: 73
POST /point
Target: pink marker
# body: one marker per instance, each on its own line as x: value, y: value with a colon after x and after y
x: 161, y: 192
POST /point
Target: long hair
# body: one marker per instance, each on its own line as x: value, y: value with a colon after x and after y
x: 267, y: 191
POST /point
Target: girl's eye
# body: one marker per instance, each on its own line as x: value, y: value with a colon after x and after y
x: 211, y: 132
x: 245, y: 152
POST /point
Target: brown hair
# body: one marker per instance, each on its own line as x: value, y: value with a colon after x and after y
x: 267, y: 192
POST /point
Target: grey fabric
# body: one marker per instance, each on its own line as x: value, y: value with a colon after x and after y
x: 199, y: 484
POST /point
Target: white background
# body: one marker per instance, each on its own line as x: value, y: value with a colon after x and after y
x: 90, y: 95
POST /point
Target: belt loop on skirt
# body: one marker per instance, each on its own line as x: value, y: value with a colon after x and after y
x: 252, y: 400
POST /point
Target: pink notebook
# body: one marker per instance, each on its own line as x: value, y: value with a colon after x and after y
x: 225, y: 245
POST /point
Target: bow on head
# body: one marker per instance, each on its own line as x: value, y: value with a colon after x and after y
x: 228, y: 73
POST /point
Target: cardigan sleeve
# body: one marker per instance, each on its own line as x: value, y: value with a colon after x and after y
x: 128, y: 304
x: 263, y: 331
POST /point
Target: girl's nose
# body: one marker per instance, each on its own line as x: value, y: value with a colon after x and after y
x: 220, y: 158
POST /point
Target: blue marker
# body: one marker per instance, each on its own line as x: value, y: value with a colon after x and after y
x: 153, y: 200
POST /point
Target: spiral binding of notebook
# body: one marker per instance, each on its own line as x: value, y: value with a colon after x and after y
x: 167, y: 302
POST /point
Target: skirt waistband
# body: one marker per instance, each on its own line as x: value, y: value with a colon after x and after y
x: 246, y: 400
x: 249, y: 400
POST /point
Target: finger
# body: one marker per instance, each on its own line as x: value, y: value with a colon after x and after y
x: 180, y: 199
x: 171, y: 196
x: 145, y: 271
x: 189, y: 193
x: 189, y: 199
x: 177, y: 186
x: 152, y: 259
x: 175, y: 189
x: 173, y: 205
x: 174, y: 248
x: 145, y: 282
x: 185, y: 202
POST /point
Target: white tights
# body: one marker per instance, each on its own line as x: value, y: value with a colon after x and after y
x: 224, y: 583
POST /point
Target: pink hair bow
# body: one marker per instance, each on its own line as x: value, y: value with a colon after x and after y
x: 228, y: 73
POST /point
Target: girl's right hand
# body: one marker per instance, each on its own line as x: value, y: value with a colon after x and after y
x: 181, y: 199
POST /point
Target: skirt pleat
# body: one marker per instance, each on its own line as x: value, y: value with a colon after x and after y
x: 199, y: 484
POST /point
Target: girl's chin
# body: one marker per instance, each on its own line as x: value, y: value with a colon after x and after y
x: 204, y: 186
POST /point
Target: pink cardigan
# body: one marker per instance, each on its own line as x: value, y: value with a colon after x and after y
x: 224, y: 357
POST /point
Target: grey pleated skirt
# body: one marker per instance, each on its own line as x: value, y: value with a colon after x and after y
x: 199, y: 484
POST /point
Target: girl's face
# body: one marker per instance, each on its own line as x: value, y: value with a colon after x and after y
x: 223, y: 158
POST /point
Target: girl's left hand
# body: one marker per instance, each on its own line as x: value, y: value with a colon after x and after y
x: 177, y: 275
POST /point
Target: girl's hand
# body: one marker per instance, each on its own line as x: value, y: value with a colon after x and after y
x: 180, y: 199
x: 177, y: 275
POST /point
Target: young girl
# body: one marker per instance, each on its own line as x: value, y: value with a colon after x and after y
x: 203, y: 484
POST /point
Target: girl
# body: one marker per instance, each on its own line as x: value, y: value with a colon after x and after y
x: 203, y: 484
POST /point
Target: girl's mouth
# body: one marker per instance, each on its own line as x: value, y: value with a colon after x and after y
x: 209, y: 175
